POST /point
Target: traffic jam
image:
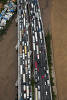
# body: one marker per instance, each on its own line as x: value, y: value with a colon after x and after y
x: 24, y: 74
x: 29, y: 15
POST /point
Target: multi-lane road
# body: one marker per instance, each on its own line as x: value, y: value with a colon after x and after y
x: 30, y: 29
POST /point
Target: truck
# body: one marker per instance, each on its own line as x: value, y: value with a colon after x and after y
x: 25, y: 96
x: 25, y: 48
x: 23, y: 55
x: 39, y: 98
x: 24, y: 21
x: 36, y: 36
x: 37, y: 49
x: 24, y: 88
x: 27, y: 92
x: 36, y: 94
x: 33, y: 39
x: 40, y: 34
x: 24, y: 79
x: 39, y: 95
x: 20, y: 49
x: 25, y: 63
x: 20, y: 36
x: 28, y: 54
x: 26, y: 70
x: 21, y: 70
x: 34, y: 46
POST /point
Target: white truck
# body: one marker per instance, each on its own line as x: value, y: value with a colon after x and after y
x: 37, y: 48
x: 24, y: 79
x: 23, y: 55
x: 33, y: 39
x: 34, y: 46
x: 24, y: 88
x: 25, y: 96
x: 39, y: 98
x: 27, y: 92
x: 21, y: 70
x: 40, y: 35
x: 20, y: 35
x: 36, y: 36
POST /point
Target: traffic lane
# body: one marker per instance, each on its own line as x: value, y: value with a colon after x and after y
x: 44, y: 88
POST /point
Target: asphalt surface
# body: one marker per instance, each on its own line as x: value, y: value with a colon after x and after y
x: 29, y: 15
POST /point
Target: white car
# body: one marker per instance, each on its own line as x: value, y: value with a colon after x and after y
x: 46, y: 93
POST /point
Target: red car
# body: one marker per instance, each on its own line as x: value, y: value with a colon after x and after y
x: 35, y: 64
x: 42, y: 76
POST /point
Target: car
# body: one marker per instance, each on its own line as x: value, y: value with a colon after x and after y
x: 44, y: 68
x: 37, y: 56
x: 38, y: 87
x: 45, y: 83
x: 47, y: 71
x: 38, y: 78
x: 35, y: 64
x: 38, y: 69
x: 42, y: 76
x: 46, y: 93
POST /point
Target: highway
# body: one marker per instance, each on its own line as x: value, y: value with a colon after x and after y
x: 30, y: 29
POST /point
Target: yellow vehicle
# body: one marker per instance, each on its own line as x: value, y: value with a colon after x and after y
x: 36, y: 94
x: 25, y: 49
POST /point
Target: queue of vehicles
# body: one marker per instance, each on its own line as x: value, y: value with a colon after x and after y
x: 24, y: 65
x: 41, y: 72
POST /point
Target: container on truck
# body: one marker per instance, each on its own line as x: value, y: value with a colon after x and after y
x: 27, y: 92
x: 24, y: 79
x: 34, y: 46
x: 25, y: 48
x: 25, y: 96
x: 36, y: 94
x: 21, y: 70
x: 20, y: 49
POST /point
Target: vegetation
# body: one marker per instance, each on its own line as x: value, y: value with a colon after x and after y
x: 49, y: 53
x: 3, y: 1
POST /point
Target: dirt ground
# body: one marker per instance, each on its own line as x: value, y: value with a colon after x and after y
x: 56, y: 13
x: 8, y: 64
x: 59, y: 36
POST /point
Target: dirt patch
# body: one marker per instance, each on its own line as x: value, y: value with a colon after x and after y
x: 59, y: 37
x: 8, y: 64
x: 45, y: 12
x: 1, y: 5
